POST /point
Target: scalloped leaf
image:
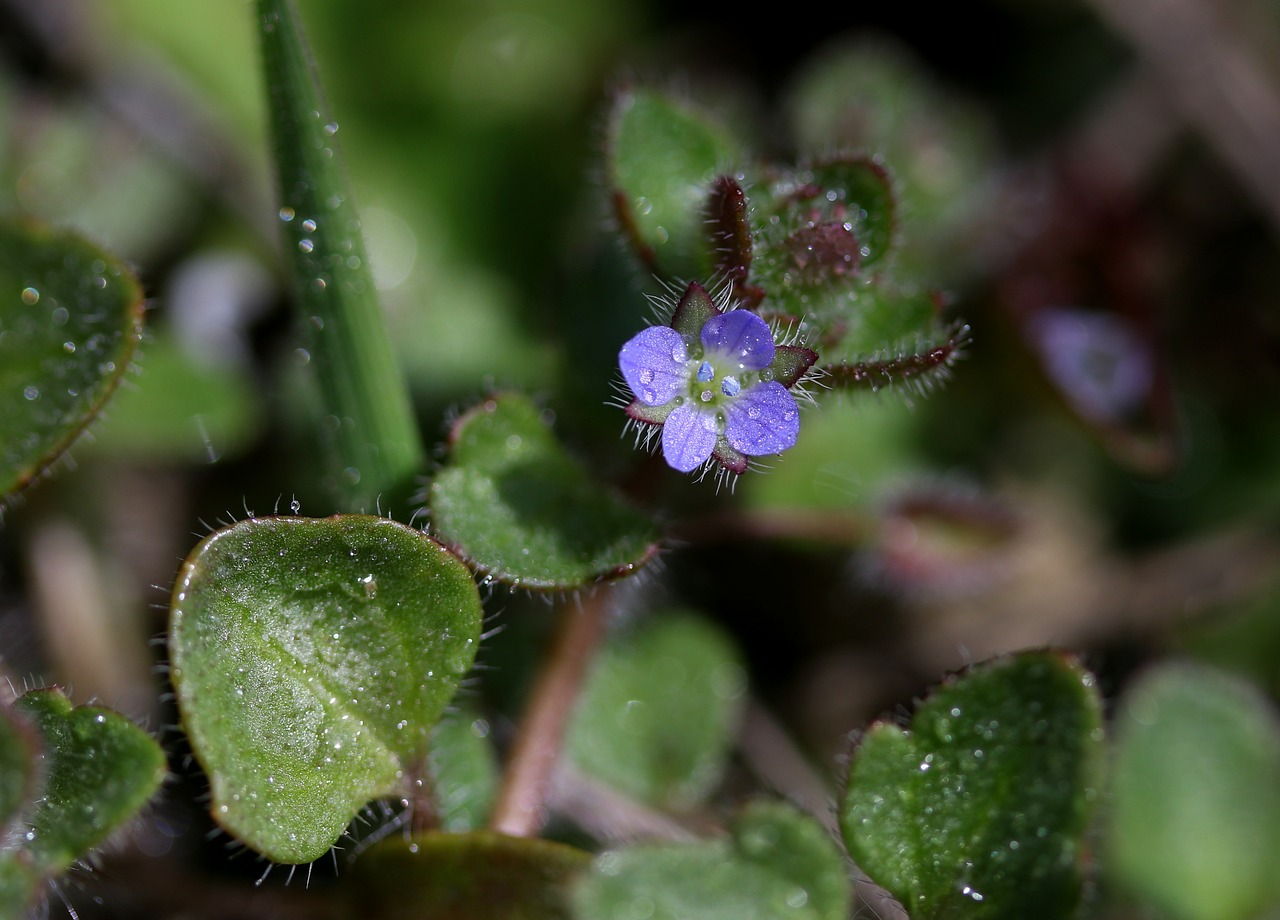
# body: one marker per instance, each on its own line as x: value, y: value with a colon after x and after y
x: 513, y: 503
x: 476, y: 876
x: 659, y: 711
x: 311, y: 660
x: 1195, y: 796
x: 662, y: 158
x: 95, y: 769
x: 979, y: 809
x: 70, y: 320
x: 778, y: 863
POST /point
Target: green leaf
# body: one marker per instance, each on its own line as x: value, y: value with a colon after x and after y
x: 1195, y: 805
x: 778, y: 864
x: 97, y: 769
x: 311, y: 659
x: 914, y: 366
x: 659, y: 711
x: 464, y: 772
x: 476, y: 876
x: 514, y: 504
x: 378, y: 450
x: 182, y: 410
x: 70, y: 319
x: 18, y: 750
x: 979, y: 810
x: 662, y: 159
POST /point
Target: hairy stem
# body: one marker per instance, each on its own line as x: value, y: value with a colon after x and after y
x: 521, y: 809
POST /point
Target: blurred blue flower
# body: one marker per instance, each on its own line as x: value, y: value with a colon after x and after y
x: 722, y: 394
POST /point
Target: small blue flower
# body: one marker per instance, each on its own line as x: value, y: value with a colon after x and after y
x: 717, y: 384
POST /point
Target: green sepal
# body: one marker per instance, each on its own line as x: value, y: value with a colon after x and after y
x: 778, y: 863
x: 311, y: 659
x: 790, y: 363
x: 520, y: 509
x: 70, y: 321
x: 653, y: 415
x: 476, y: 876
x: 692, y: 311
x: 979, y: 809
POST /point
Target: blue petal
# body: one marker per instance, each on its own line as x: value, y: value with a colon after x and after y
x: 654, y: 365
x: 688, y: 437
x: 763, y: 420
x: 742, y: 336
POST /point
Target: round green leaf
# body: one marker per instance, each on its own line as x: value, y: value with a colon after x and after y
x: 98, y: 770
x: 662, y: 159
x: 1195, y: 816
x: 70, y: 318
x: 778, y: 865
x: 515, y: 504
x: 979, y: 810
x: 311, y: 659
x: 475, y: 876
x: 659, y: 711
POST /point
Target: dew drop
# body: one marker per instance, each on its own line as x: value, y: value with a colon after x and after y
x: 798, y: 898
x: 287, y: 214
x: 295, y: 506
x: 30, y: 296
x: 31, y: 392
x: 646, y: 375
x: 60, y: 315
x: 351, y: 475
x: 331, y: 128
x: 753, y: 413
x: 309, y: 225
x: 306, y: 245
x: 69, y: 347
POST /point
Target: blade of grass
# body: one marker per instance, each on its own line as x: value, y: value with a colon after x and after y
x: 378, y: 449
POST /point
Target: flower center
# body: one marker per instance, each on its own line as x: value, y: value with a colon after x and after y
x: 710, y: 389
